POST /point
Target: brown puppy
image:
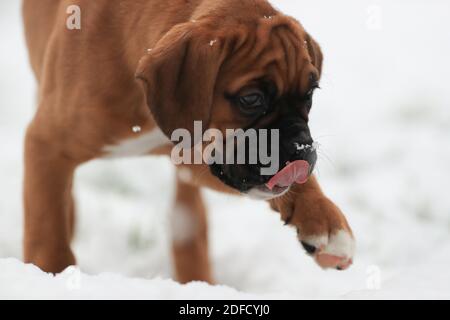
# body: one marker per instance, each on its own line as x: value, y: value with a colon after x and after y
x: 137, y: 70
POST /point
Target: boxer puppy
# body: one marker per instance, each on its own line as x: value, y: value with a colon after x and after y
x: 135, y: 72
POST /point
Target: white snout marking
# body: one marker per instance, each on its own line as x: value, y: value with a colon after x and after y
x: 137, y: 146
x: 183, y: 224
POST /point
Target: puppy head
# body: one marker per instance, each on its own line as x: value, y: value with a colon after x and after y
x: 247, y: 74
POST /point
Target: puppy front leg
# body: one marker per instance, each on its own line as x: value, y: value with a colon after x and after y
x: 188, y: 222
x: 48, y: 206
x: 322, y: 228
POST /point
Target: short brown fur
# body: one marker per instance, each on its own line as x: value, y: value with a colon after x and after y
x: 89, y: 98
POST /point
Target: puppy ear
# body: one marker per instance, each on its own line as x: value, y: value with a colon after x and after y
x: 315, y: 52
x: 178, y: 77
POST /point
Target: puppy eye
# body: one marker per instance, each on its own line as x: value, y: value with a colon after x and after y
x: 308, y: 99
x: 252, y: 100
x: 310, y: 93
x: 253, y: 104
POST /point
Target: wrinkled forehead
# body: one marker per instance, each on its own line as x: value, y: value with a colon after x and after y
x: 277, y: 50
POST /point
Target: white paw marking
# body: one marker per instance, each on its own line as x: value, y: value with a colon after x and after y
x: 339, y: 244
x: 137, y: 146
x: 316, y: 241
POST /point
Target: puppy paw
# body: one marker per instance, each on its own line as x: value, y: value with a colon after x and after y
x: 322, y: 228
x: 333, y: 250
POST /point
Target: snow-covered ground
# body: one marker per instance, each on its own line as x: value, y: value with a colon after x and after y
x: 383, y: 122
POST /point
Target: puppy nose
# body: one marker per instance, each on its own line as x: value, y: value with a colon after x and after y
x: 299, y: 143
x: 304, y: 149
x: 304, y: 137
x: 306, y: 152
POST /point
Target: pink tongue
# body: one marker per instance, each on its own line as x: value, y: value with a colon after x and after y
x: 296, y: 171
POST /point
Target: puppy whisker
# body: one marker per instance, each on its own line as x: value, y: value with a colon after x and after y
x: 323, y: 156
x: 326, y: 136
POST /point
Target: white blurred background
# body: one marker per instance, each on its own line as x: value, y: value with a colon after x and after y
x: 382, y: 119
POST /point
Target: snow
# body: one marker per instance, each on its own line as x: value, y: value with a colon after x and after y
x: 136, y: 129
x: 382, y: 120
x: 28, y: 282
